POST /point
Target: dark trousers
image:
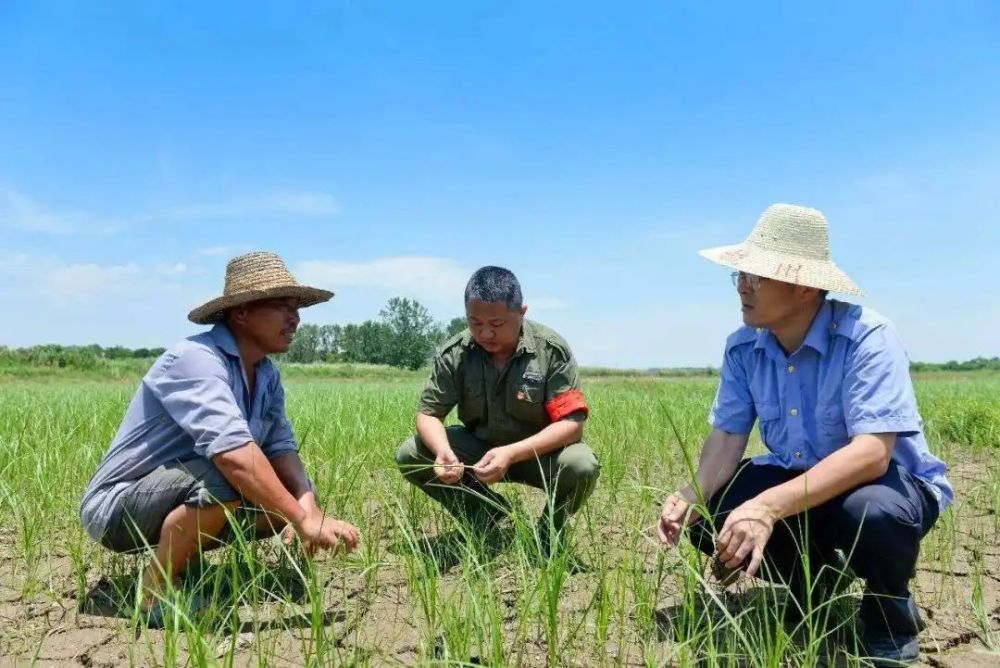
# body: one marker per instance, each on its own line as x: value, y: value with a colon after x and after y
x: 878, y: 526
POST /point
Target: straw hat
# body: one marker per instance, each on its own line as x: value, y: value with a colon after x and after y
x: 254, y: 276
x: 789, y: 244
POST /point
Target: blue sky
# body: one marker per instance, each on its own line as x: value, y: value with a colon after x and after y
x: 391, y: 148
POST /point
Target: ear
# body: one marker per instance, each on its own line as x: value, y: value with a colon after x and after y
x: 807, y: 294
x: 523, y: 309
x: 238, y: 315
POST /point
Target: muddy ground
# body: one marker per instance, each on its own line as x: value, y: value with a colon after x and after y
x: 49, y: 628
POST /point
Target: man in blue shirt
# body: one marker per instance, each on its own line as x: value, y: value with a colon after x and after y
x: 206, y: 434
x: 848, y: 467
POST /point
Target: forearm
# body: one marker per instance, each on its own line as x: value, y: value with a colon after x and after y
x: 717, y: 464
x: 556, y: 435
x: 293, y: 476
x: 432, y: 432
x: 252, y: 475
x: 864, y: 459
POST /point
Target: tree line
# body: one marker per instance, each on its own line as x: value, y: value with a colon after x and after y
x: 404, y: 335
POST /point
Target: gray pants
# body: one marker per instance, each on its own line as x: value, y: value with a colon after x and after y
x: 143, y: 507
x: 568, y: 475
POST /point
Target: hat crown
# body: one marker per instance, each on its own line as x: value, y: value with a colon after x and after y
x: 260, y: 270
x: 792, y: 230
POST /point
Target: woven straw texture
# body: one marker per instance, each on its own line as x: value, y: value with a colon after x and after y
x: 259, y: 275
x: 789, y: 244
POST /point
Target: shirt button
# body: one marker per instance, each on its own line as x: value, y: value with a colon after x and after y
x: 794, y: 412
x: 798, y: 454
x: 791, y: 368
x: 759, y: 330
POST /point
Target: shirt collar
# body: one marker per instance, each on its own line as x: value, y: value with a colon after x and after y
x: 526, y: 341
x: 817, y: 338
x: 225, y: 340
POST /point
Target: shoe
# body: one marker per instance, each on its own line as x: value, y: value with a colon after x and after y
x: 884, y: 649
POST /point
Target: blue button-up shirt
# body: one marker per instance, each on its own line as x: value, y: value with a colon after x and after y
x: 850, y: 376
x: 193, y: 402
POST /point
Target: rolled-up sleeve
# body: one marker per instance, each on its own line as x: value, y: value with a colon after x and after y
x: 440, y: 393
x: 733, y: 409
x: 878, y: 393
x: 193, y: 387
x: 280, y: 438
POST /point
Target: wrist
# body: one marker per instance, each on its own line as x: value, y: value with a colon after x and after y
x: 300, y: 517
x: 513, y: 452
x: 771, y: 505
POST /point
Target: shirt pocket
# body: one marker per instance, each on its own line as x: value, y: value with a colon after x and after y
x: 769, y: 422
x: 831, y: 428
x: 526, y: 402
x: 472, y: 405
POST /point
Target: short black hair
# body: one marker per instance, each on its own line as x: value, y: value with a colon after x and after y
x: 492, y: 285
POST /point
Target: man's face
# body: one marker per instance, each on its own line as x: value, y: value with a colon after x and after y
x: 766, y: 302
x: 494, y: 326
x: 269, y: 323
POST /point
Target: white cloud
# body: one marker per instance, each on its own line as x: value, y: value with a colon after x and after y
x: 171, y: 268
x: 20, y: 212
x: 434, y: 279
x: 87, y: 281
x: 61, y: 283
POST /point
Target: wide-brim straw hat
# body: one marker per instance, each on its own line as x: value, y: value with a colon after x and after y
x: 259, y: 275
x: 789, y: 244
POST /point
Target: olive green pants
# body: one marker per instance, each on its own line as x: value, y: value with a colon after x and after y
x: 568, y: 475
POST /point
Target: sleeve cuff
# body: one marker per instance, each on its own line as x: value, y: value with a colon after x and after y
x: 902, y: 425
x: 227, y: 441
x: 274, y: 450
x: 730, y: 426
x: 440, y: 412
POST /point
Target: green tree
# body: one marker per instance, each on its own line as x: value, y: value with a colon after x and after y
x: 454, y: 326
x: 413, y: 333
x: 365, y: 343
x: 305, y: 345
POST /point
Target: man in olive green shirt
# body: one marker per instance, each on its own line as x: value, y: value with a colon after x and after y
x: 516, y: 386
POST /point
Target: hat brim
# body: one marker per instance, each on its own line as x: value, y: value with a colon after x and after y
x: 212, y: 311
x: 813, y: 273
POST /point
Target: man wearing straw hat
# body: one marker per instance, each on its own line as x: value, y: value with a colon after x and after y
x: 848, y: 470
x: 517, y: 390
x: 206, y: 437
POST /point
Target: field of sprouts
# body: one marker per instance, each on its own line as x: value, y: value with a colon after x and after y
x: 422, y: 590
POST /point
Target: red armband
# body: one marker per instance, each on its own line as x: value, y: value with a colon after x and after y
x: 565, y: 404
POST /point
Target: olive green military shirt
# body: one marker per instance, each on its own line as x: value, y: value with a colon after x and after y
x: 504, y: 406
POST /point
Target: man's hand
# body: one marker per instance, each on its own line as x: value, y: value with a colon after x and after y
x: 677, y: 513
x: 494, y: 465
x: 318, y: 531
x: 447, y: 468
x: 745, y: 533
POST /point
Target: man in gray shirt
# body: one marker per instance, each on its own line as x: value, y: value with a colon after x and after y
x: 206, y: 433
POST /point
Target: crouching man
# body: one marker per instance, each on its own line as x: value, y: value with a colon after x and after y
x: 206, y: 437
x: 848, y: 472
x: 518, y: 394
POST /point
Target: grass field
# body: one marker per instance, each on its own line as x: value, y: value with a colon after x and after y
x: 420, y: 592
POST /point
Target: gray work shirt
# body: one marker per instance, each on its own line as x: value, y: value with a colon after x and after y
x: 193, y: 402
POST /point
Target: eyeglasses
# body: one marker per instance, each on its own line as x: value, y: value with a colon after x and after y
x: 752, y: 280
